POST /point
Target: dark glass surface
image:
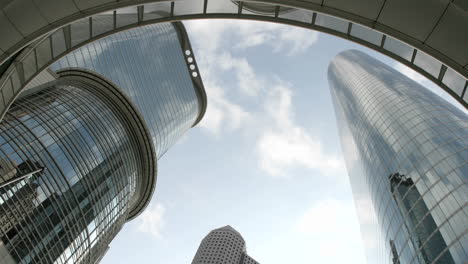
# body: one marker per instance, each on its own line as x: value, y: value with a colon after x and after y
x: 406, y: 151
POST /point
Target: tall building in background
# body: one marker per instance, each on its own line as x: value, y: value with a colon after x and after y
x: 406, y: 151
x: 78, y: 154
x: 223, y: 246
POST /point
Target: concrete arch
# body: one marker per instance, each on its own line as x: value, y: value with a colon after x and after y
x: 428, y: 36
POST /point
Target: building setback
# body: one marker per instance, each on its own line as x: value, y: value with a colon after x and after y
x: 406, y: 151
x: 223, y: 246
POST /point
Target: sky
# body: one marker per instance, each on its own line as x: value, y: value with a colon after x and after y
x: 265, y: 159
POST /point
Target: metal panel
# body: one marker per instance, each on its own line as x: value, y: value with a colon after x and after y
x: 10, y: 35
x: 407, y: 16
x: 366, y: 8
x: 450, y: 37
x: 25, y: 16
x: 53, y: 10
x: 85, y: 4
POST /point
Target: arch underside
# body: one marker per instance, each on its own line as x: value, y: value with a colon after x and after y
x: 428, y: 36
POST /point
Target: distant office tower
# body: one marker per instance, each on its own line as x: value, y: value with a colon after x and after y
x: 78, y: 154
x: 223, y: 246
x: 406, y: 151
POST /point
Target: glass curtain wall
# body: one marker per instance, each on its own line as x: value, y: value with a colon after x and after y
x: 148, y: 63
x: 69, y: 170
x: 406, y: 151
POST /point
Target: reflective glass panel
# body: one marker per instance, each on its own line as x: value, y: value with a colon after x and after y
x: 296, y: 14
x: 454, y: 81
x: 428, y: 63
x: 260, y: 9
x: 127, y: 16
x: 157, y: 10
x: 165, y: 96
x: 43, y: 52
x: 29, y: 65
x: 366, y: 34
x: 222, y: 6
x: 188, y: 7
x: 399, y: 48
x: 102, y: 24
x: 79, y: 31
x: 332, y: 23
x: 58, y: 43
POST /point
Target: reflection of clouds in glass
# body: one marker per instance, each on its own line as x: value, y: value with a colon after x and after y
x: 399, y: 126
x: 148, y: 64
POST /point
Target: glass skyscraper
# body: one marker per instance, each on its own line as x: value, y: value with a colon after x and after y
x: 79, y: 160
x: 78, y: 155
x: 406, y: 151
x: 151, y: 66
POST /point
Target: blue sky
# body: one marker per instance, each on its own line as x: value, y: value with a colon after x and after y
x: 266, y: 158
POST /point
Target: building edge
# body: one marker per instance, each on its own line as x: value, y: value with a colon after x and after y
x: 196, y: 79
x: 147, y: 185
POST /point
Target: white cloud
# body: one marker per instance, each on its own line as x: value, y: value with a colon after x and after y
x: 281, y: 143
x: 151, y: 221
x: 248, y: 34
x: 332, y: 223
x: 209, y: 39
x: 286, y: 144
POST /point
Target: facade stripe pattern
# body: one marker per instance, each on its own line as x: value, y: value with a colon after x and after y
x: 148, y: 64
x: 406, y: 151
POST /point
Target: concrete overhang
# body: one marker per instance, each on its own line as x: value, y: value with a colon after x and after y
x: 428, y: 36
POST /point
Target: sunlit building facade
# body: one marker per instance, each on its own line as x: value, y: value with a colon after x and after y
x: 151, y: 64
x: 224, y: 245
x: 81, y: 155
x: 406, y: 151
x: 78, y: 154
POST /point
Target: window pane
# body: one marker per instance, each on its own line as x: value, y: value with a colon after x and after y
x: 102, y: 24
x: 79, y: 31
x: 58, y: 43
x: 399, y: 48
x: 187, y: 7
x: 366, y: 34
x: 332, y: 23
x: 454, y: 81
x: 29, y: 65
x: 221, y: 6
x: 428, y: 63
x: 127, y: 16
x: 157, y: 10
x: 43, y: 53
x: 258, y: 9
x: 296, y: 14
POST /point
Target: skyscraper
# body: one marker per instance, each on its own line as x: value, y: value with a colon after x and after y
x: 406, y: 151
x: 223, y: 246
x: 78, y: 155
x: 152, y: 67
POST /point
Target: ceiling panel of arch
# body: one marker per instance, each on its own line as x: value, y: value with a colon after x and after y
x: 429, y: 36
x: 366, y: 8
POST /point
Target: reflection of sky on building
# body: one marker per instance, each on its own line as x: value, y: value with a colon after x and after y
x: 82, y: 195
x: 149, y: 65
x: 393, y: 125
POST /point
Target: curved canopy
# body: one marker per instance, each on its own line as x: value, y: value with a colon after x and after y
x: 429, y: 36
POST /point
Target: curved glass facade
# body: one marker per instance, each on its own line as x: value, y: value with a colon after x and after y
x: 69, y: 169
x: 406, y: 151
x: 149, y: 65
